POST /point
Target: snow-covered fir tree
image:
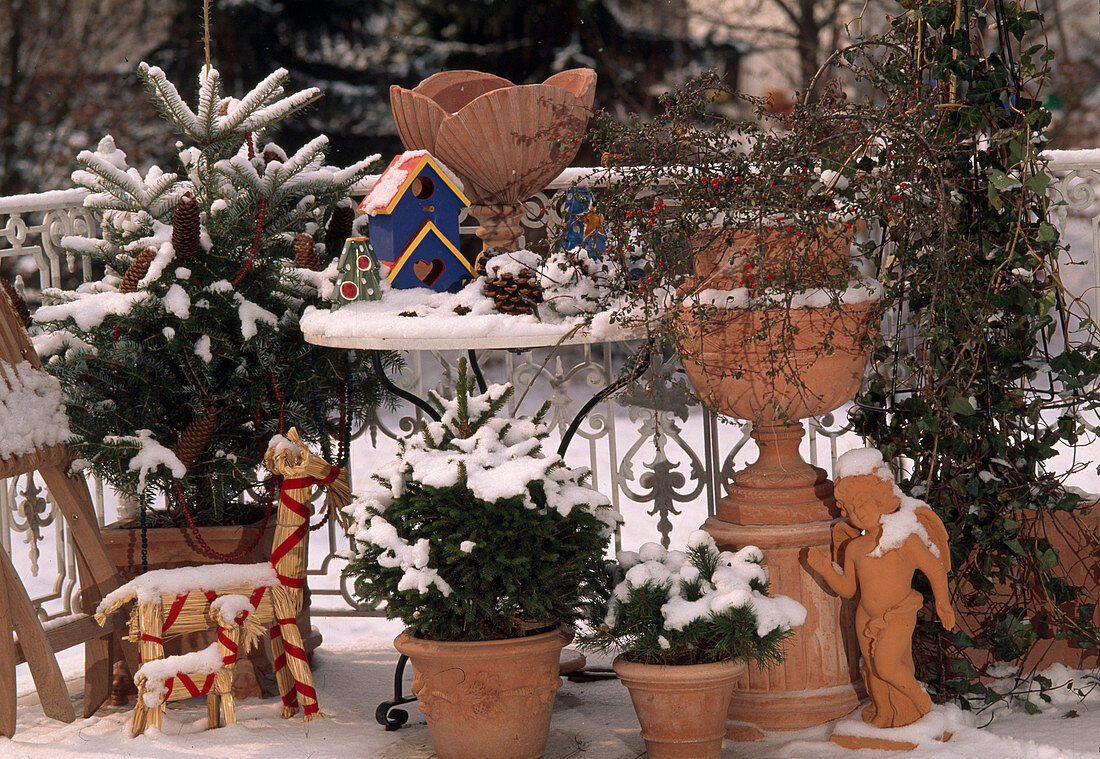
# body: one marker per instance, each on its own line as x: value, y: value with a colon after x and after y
x: 182, y: 361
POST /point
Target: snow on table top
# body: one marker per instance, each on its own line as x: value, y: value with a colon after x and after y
x: 379, y: 325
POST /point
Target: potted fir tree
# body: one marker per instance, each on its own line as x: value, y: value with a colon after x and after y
x: 685, y: 623
x: 485, y: 548
x: 185, y: 357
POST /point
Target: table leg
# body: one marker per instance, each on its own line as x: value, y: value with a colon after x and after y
x: 380, y: 373
x: 477, y: 370
x: 386, y: 713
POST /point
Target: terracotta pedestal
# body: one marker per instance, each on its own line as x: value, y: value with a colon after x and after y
x: 500, y: 227
x: 782, y: 505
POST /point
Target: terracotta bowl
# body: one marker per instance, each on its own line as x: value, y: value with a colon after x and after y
x: 744, y: 362
x: 505, y: 142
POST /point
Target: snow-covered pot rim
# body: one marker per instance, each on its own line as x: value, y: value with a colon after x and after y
x: 687, y: 676
x: 861, y: 291
x: 407, y: 644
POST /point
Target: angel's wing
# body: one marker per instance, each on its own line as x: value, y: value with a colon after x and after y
x: 937, y: 532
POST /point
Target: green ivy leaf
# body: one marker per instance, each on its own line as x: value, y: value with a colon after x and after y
x: 960, y: 406
x: 1038, y: 182
x: 993, y: 197
x: 1002, y: 181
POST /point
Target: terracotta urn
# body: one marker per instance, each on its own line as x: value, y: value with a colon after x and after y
x: 505, y: 142
x: 486, y: 699
x: 681, y: 709
x: 774, y: 367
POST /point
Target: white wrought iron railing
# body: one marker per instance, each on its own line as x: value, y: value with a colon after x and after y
x: 662, y: 459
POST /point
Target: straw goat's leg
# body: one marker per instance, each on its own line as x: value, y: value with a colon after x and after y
x: 287, y: 603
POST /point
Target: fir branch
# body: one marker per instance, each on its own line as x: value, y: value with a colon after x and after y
x: 209, y: 98
x: 168, y: 101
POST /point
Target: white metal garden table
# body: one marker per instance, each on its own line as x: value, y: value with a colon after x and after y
x: 367, y: 327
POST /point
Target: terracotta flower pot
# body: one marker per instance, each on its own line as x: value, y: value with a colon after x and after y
x: 722, y: 256
x: 682, y: 710
x: 776, y: 366
x: 505, y: 142
x: 488, y: 699
x: 172, y: 547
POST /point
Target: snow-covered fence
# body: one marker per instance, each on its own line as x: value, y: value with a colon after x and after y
x: 662, y: 459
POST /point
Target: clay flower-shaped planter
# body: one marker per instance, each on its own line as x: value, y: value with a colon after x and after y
x: 506, y: 142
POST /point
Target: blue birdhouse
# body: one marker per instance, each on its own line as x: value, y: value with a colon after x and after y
x: 413, y: 209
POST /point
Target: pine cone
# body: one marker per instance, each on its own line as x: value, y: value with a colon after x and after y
x: 305, y: 255
x: 339, y: 228
x: 185, y: 227
x: 196, y: 437
x: 481, y: 261
x: 273, y: 153
x: 17, y: 303
x: 138, y: 269
x: 514, y: 295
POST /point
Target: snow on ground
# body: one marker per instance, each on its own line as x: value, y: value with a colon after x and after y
x: 353, y: 671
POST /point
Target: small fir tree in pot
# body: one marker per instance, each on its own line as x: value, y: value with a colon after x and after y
x: 485, y: 548
x: 684, y: 623
x: 186, y: 355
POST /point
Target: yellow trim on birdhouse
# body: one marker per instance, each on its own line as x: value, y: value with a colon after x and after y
x: 428, y: 226
x: 426, y: 158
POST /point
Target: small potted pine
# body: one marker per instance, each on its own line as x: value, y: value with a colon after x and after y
x: 487, y: 549
x: 685, y: 623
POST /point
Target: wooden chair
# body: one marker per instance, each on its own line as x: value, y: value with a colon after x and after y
x: 97, y: 573
x: 172, y: 602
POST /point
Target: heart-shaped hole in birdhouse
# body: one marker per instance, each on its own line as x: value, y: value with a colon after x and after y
x: 429, y: 272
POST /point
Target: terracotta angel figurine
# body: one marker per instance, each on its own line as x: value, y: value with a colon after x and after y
x: 891, y: 536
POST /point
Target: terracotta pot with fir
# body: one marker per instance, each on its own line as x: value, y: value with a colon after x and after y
x: 684, y: 624
x: 185, y: 357
x: 486, y: 548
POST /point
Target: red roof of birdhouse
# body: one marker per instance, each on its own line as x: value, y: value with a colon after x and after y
x: 399, y: 176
